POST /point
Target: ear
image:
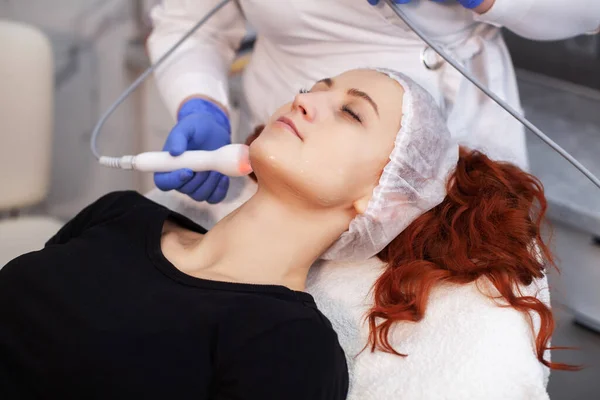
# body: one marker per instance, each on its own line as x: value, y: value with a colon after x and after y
x: 360, y: 205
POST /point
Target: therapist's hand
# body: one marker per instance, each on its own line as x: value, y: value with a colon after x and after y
x: 470, y: 4
x: 202, y: 126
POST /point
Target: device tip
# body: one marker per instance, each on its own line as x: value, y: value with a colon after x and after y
x: 245, y: 168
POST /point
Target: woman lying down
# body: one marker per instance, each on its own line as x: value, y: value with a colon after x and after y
x: 131, y: 300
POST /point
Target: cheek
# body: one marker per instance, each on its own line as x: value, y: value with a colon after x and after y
x: 342, y: 175
x: 333, y: 168
x: 270, y: 151
x: 317, y: 176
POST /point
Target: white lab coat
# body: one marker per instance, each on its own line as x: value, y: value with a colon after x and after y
x: 301, y: 41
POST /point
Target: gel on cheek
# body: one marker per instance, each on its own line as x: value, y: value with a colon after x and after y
x: 273, y: 161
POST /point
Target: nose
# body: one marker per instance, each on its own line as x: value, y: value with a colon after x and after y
x: 305, y: 104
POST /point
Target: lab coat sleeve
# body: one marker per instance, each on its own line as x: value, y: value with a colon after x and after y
x: 545, y: 19
x: 201, y: 65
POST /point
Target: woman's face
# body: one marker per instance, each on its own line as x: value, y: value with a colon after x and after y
x: 329, y: 146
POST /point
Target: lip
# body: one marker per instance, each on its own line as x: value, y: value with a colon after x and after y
x: 291, y: 126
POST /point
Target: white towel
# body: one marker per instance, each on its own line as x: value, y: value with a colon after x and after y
x: 466, y: 347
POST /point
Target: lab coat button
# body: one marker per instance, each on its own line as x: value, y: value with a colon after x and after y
x: 430, y: 59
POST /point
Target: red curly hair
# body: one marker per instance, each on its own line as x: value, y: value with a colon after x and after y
x: 488, y: 226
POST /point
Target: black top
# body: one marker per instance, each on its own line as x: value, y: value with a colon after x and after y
x: 100, y: 313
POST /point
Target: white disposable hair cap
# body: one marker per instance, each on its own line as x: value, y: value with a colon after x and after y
x: 413, y: 181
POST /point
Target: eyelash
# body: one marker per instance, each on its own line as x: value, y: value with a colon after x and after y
x: 345, y: 109
x: 354, y: 115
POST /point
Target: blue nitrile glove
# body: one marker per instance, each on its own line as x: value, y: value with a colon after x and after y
x: 470, y: 4
x: 465, y: 3
x: 202, y: 126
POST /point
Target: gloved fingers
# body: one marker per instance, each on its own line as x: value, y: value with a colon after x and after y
x: 179, y: 137
x: 214, y: 137
x: 470, y: 4
x: 172, y: 180
x: 220, y: 192
x: 193, y: 184
x: 206, y: 189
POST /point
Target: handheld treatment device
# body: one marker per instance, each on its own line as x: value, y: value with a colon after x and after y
x: 230, y: 160
x: 159, y: 161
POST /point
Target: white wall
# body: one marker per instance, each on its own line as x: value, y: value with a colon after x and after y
x: 90, y: 38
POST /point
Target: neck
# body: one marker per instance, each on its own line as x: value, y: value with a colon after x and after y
x: 270, y: 241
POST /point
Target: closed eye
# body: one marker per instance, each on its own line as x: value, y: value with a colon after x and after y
x: 345, y: 109
x: 354, y: 115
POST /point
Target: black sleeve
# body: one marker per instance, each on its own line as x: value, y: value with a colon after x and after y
x: 299, y: 360
x: 104, y: 208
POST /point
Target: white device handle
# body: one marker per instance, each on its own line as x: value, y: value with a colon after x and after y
x: 162, y: 161
x: 230, y: 160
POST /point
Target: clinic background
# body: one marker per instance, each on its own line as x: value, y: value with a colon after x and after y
x: 98, y: 48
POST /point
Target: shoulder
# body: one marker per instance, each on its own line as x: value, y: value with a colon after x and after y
x: 117, y: 203
x: 306, y: 347
x: 259, y: 316
x: 122, y: 198
x: 312, y: 333
x: 312, y: 347
x: 293, y: 359
x: 125, y: 197
x: 293, y: 327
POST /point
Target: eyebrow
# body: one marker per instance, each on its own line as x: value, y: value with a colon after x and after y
x: 355, y: 93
